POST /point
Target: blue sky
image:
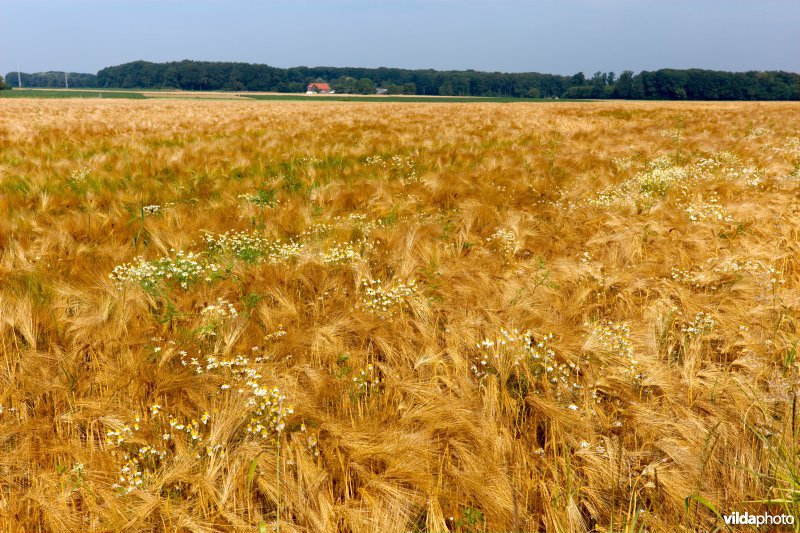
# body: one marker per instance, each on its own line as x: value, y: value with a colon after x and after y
x: 552, y: 36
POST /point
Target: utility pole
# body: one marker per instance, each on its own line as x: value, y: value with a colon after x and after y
x: 66, y: 81
x: 19, y: 78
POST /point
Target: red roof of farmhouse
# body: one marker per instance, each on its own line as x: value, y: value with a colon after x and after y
x: 320, y: 86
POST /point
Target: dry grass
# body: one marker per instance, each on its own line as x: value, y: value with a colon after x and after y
x: 397, y: 317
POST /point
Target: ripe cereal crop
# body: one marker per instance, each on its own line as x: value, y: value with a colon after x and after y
x: 346, y: 317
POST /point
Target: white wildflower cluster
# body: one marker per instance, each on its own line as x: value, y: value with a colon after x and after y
x: 659, y: 179
x: 4, y: 409
x: 615, y: 339
x: 750, y: 175
x: 790, y: 147
x: 267, y: 409
x: 649, y: 185
x: 706, y: 165
x: 244, y: 245
x: 730, y: 167
x: 277, y: 334
x: 78, y: 469
x: 116, y: 437
x: 339, y: 253
x: 672, y: 134
x: 623, y: 163
x: 357, y: 226
x: 219, y: 312
x: 738, y: 266
x: 611, y: 196
x: 758, y: 131
x: 404, y: 167
x: 261, y: 198
x: 183, y: 269
x: 155, y: 209
x: 379, y: 299
x: 662, y: 175
x: 353, y: 217
x: 78, y: 176
x: 561, y: 199
x: 237, y: 368
x: 702, y: 324
x: 513, y: 350
x: 714, y: 273
x: 142, y: 462
x: 661, y: 162
x: 139, y: 468
x: 312, y: 440
x: 283, y: 252
x: 509, y: 348
x: 308, y: 160
x: 504, y: 240
x: 727, y: 157
x: 265, y: 418
x: 192, y: 429
x: 268, y: 415
x: 711, y: 210
x: 367, y: 381
x: 317, y: 230
x: 775, y: 276
x: 687, y: 277
x: 357, y: 221
x: 252, y: 247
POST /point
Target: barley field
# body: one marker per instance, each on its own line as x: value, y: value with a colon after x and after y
x: 356, y: 317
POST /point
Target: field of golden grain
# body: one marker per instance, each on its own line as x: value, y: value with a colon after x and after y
x: 348, y: 317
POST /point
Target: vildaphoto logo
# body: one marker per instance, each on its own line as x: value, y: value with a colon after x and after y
x: 747, y: 519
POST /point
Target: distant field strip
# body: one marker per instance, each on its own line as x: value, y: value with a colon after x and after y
x: 61, y: 93
x: 200, y: 95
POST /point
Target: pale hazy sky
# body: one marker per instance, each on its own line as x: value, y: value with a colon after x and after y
x: 551, y: 36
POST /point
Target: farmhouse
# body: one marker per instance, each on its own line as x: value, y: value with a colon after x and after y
x: 319, y: 88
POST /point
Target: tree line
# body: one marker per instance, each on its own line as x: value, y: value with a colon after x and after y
x: 51, y: 80
x: 664, y: 84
